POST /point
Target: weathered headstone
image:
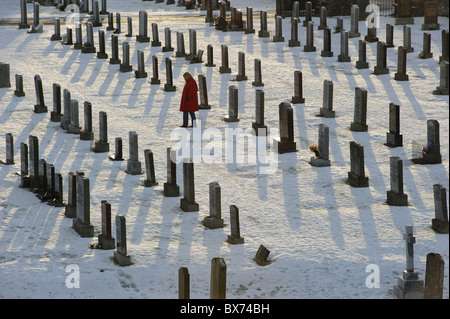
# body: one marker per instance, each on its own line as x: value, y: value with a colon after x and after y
x: 393, y: 137
x: 409, y: 286
x: 121, y: 255
x: 431, y: 153
x: 9, y: 149
x: 258, y: 126
x: 140, y: 72
x: 188, y: 203
x: 68, y: 39
x: 65, y: 118
x: 74, y: 126
x: 210, y: 56
x: 96, y: 15
x: 344, y: 57
x: 323, y: 158
x: 444, y: 47
x: 362, y: 60
x: 430, y: 18
x: 339, y: 26
x: 214, y: 220
x: 101, y: 54
x: 192, y: 44
x: 233, y: 105
x: 203, y: 93
x: 209, y: 11
x: 71, y: 206
x: 278, y: 37
x: 57, y: 199
x: 401, y: 75
x: 381, y: 67
x: 101, y: 145
x: 294, y: 42
x: 55, y: 115
x: 403, y: 12
x: 24, y: 177
x: 326, y: 52
x: 118, y: 154
x: 426, y: 51
x: 197, y: 58
x: 118, y: 28
x: 263, y: 33
x: 129, y: 34
x: 225, y: 62
x: 371, y: 35
x: 298, y: 88
x: 78, y: 37
x: 235, y: 237
x: 434, y: 277
x: 149, y: 169
x: 249, y: 28
x: 241, y: 67
x: 440, y: 221
x: 184, y: 283
x: 125, y: 66
x: 309, y: 46
x: 114, y: 50
x: 308, y: 13
x: 133, y: 163
x: 82, y: 223
x: 155, y: 42
x: 110, y: 26
x: 286, y: 142
x: 356, y: 176
x: 218, y: 279
x: 168, y: 86
x: 105, y: 238
x: 143, y: 37
x: 19, y: 86
x: 395, y: 196
x: 407, y: 38
x: 443, y: 87
x: 323, y: 18
x: 40, y: 106
x: 56, y: 36
x: 261, y: 256
x: 155, y: 67
x: 389, y: 35
x: 258, y: 73
x: 23, y: 15
x: 37, y: 26
x: 181, y: 51
x: 354, y: 22
x: 171, y: 189
x: 359, y: 123
x: 167, y: 41
x: 327, y: 108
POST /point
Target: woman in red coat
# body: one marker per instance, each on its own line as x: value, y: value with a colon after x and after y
x: 189, y: 99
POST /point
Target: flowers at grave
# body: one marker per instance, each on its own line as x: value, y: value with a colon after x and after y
x: 315, y: 149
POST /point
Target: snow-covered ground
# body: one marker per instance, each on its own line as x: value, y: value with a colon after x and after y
x: 322, y: 233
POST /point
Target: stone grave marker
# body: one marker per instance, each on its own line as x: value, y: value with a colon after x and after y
x: 294, y: 42
x: 258, y: 73
x: 87, y: 134
x: 114, y: 50
x: 443, y: 87
x: 37, y: 27
x: 143, y: 37
x: 101, y: 54
x: 395, y: 196
x: 133, y: 163
x: 286, y: 142
x: 261, y: 256
x: 56, y: 36
x: 101, y: 145
x: 389, y: 35
x: 263, y: 33
x: 168, y: 86
x: 381, y: 67
x: 203, y: 93
x: 23, y: 15
x: 241, y: 67
x: 225, y: 61
x: 118, y: 28
x: 344, y: 57
x: 359, y: 123
x: 430, y: 18
x: 278, y: 37
x: 354, y: 22
x: 235, y: 237
x: 140, y: 72
x: 33, y: 143
x: 362, y: 61
x: 19, y: 86
x: 167, y: 40
x: 431, y: 153
x: 249, y: 28
x: 401, y: 75
x: 125, y: 66
x: 426, y: 51
x: 183, y: 283
x: 118, y: 154
x: 407, y: 38
x: 440, y: 221
x: 327, y: 108
x: 218, y: 278
x: 298, y: 88
x: 82, y: 223
x: 155, y: 67
x: 121, y: 255
x: 214, y: 220
x: 55, y: 115
x: 323, y: 158
x: 356, y: 176
x: 309, y: 46
x: 258, y: 126
x: 74, y: 125
x: 24, y: 177
x: 105, y: 238
x: 155, y: 42
x: 393, y: 137
x: 181, y: 51
x: 40, y: 106
x: 188, y: 203
x: 171, y: 189
x: 71, y: 206
x: 308, y: 13
x: 403, y: 12
x: 210, y: 56
x: 129, y: 34
x: 149, y: 169
x: 434, y: 277
x: 326, y: 52
x: 444, y: 47
x: 233, y: 105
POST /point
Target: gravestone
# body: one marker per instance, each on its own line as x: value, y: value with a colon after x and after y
x: 218, y: 279
x: 395, y: 196
x: 278, y: 37
x: 326, y: 52
x: 149, y: 169
x: 225, y: 62
x: 344, y: 57
x: 140, y: 72
x: 323, y: 158
x: 362, y: 60
x: 96, y: 15
x: 37, y: 26
x: 181, y: 52
x: 183, y: 283
x: 188, y: 203
x: 426, y: 51
x: 129, y: 34
x: 407, y: 38
x: 442, y: 89
x: 235, y: 237
x: 381, y: 67
x: 409, y: 286
x: 197, y: 58
x: 78, y: 37
x: 101, y: 54
x: 359, y: 123
x: 214, y: 220
x: 33, y: 143
x: 168, y: 86
x: 308, y: 13
x: 241, y: 67
x: 261, y: 256
x: 155, y: 42
x: 71, y: 206
x: 203, y: 93
x: 110, y: 26
x: 104, y: 9
x: 105, y: 238
x: 143, y: 37
x: 309, y: 46
x: 40, y: 190
x: 118, y: 154
x: 249, y: 28
x: 114, y: 50
x: 192, y: 44
x: 371, y: 35
x: 356, y: 176
x: 171, y: 189
x: 56, y: 36
x: 258, y: 73
x: 101, y: 145
x: 393, y: 137
x: 444, y: 47
x: 434, y: 277
x: 133, y: 163
x: 55, y: 115
x: 233, y: 105
x: 354, y: 22
x: 23, y: 15
x: 19, y: 85
x: 121, y: 255
x: 125, y: 66
x: 74, y: 126
x: 294, y: 42
x: 24, y: 177
x: 210, y: 56
x: 9, y: 149
x: 258, y: 126
x: 263, y: 33
x: 323, y: 18
x: 40, y: 106
x: 431, y: 153
x: 57, y: 201
x: 339, y: 26
x: 209, y: 11
x: 327, y: 108
x: 440, y: 222
x: 155, y: 67
x: 401, y: 75
x: 430, y: 18
x: 87, y: 134
x: 118, y: 28
x: 389, y: 35
x: 298, y: 88
x: 286, y: 142
x: 403, y: 12
x: 167, y: 41
x: 82, y: 222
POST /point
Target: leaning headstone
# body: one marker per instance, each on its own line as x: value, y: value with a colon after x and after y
x: 356, y: 176
x: 261, y: 256
x: 183, y: 283
x: 155, y: 67
x: 188, y: 203
x: 393, y: 137
x: 354, y: 22
x: 426, y: 51
x: 286, y: 142
x: 218, y: 279
x: 362, y: 60
x: 140, y: 72
x: 298, y: 88
x: 56, y: 36
x: 263, y: 33
x: 326, y: 52
x: 431, y: 153
x: 430, y: 18
x: 344, y: 57
x: 55, y: 115
x: 19, y: 86
x: 233, y: 105
x: 125, y: 66
x: 105, y: 238
x: 395, y: 196
x: 171, y: 188
x: 434, y: 276
x: 143, y: 37
x: 235, y: 237
x: 23, y: 15
x: 323, y: 158
x: 409, y: 286
x: 82, y: 223
x: 294, y: 42
x: 214, y: 220
x: 258, y: 126
x: 167, y: 41
x: 443, y: 87
x: 359, y: 123
x: 401, y: 75
x: 133, y: 163
x: 403, y: 12
x: 327, y: 108
x: 309, y: 46
x: 168, y: 86
x: 225, y: 62
x: 101, y: 145
x: 40, y: 106
x: 381, y: 67
x: 87, y: 134
x: 203, y: 93
x: 121, y: 255
x: 149, y: 169
x: 440, y: 221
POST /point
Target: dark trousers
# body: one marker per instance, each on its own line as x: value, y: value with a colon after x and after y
x: 186, y: 117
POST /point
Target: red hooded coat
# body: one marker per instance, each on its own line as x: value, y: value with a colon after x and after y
x: 189, y: 98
